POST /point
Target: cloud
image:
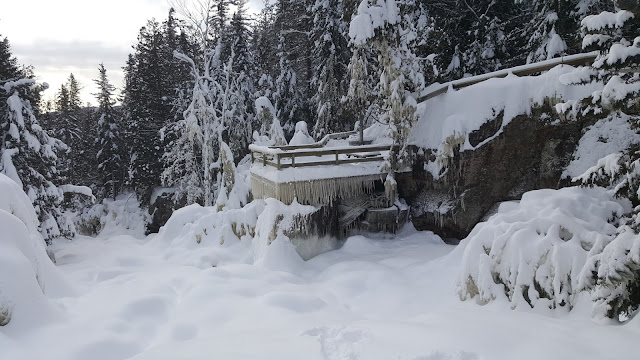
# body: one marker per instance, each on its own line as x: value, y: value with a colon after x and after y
x: 54, y: 60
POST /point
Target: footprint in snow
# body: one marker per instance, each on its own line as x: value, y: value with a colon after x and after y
x: 338, y: 343
x: 463, y: 355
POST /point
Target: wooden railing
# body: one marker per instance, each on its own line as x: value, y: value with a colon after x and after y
x: 285, y: 156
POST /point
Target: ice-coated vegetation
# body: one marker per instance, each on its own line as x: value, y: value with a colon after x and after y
x: 533, y: 252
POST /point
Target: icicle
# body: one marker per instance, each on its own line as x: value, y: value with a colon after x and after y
x: 313, y: 192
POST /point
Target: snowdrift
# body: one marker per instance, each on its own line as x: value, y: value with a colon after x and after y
x: 266, y: 230
x: 532, y: 253
x: 27, y: 274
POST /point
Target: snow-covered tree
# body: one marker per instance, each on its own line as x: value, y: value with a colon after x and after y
x: 241, y: 65
x: 270, y: 131
x: 108, y: 141
x: 388, y: 27
x: 29, y: 158
x: 292, y: 84
x: 330, y: 61
x: 148, y: 107
x: 613, y: 269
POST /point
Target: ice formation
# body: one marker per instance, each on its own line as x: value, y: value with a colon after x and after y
x: 314, y: 192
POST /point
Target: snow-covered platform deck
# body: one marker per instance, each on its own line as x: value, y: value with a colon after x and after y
x: 316, y: 175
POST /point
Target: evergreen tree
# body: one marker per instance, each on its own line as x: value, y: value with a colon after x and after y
x: 613, y: 269
x: 292, y: 85
x: 330, y: 62
x: 242, y: 94
x: 110, y: 166
x: 393, y: 38
x: 265, y: 47
x: 29, y: 157
x: 148, y: 109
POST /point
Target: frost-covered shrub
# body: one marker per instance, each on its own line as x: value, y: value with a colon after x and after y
x: 113, y: 216
x: 233, y: 187
x: 532, y: 252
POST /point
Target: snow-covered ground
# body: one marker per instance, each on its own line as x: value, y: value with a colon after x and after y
x: 375, y: 298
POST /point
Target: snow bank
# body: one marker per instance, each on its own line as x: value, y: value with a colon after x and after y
x: 532, y: 252
x: 27, y: 275
x: 447, y: 120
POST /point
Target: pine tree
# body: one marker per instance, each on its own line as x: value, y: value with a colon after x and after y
x: 265, y: 46
x: 108, y: 141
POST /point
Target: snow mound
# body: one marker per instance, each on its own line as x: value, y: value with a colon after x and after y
x: 16, y: 202
x: 221, y: 237
x: 27, y: 275
x: 276, y: 226
x: 301, y: 135
x: 267, y: 233
x: 532, y: 252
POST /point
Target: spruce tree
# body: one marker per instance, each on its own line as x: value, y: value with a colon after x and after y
x: 330, y: 61
x: 108, y: 142
x: 148, y: 109
x: 242, y: 93
x: 28, y: 153
x: 292, y: 85
x: 613, y: 270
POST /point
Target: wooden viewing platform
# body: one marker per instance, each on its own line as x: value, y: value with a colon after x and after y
x: 317, y: 174
x: 281, y: 158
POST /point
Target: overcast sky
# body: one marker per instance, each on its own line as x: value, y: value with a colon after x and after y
x: 59, y: 37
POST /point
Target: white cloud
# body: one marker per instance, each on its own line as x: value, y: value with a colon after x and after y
x: 59, y: 37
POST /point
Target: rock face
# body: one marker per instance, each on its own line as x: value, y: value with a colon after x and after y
x: 529, y: 154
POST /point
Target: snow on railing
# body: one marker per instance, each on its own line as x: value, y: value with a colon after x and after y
x: 522, y: 70
x: 285, y: 156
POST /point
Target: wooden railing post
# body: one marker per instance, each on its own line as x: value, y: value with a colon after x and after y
x: 336, y: 156
x: 278, y: 158
x: 264, y: 159
x: 293, y: 160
